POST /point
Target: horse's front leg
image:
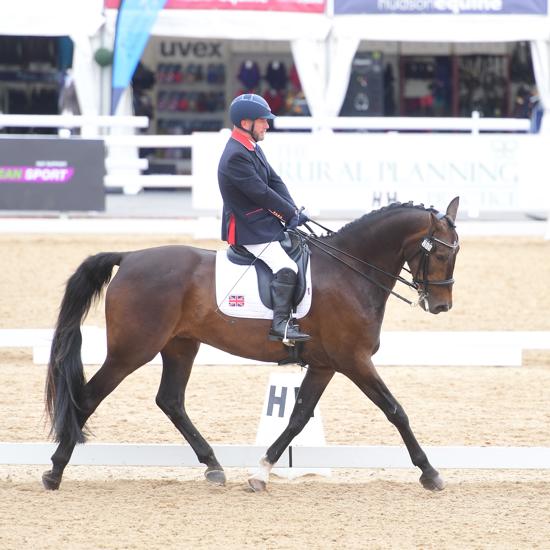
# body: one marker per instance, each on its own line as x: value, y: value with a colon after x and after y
x: 370, y: 383
x: 313, y: 386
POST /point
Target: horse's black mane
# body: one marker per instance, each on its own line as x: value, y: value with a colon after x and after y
x: 375, y: 213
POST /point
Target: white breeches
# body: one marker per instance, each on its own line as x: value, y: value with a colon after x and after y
x: 273, y: 255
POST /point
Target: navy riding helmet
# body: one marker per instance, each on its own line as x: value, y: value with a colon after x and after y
x: 249, y: 106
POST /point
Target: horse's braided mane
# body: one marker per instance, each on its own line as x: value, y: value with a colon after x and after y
x: 376, y: 213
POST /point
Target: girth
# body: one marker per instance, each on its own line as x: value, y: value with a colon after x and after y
x: 295, y: 246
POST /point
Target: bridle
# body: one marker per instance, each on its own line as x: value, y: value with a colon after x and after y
x: 420, y: 284
x: 427, y: 246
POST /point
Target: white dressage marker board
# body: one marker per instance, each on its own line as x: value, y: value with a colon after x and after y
x: 280, y: 398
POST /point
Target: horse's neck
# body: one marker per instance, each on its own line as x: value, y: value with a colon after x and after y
x: 381, y: 240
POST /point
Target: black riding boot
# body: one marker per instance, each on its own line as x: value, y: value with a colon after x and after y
x: 282, y: 291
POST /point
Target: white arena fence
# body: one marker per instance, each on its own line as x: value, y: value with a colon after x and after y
x: 473, y: 125
x: 299, y: 457
x: 415, y: 348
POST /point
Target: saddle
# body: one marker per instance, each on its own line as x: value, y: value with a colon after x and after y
x: 295, y: 246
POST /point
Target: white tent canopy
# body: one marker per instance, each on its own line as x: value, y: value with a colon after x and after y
x: 238, y: 24
x: 52, y: 18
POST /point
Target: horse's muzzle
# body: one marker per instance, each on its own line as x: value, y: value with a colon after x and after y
x: 440, y: 308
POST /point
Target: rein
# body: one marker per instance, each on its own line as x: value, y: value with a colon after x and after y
x: 315, y: 241
x: 426, y: 248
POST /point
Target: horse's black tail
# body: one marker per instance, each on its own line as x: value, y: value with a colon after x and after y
x: 65, y: 378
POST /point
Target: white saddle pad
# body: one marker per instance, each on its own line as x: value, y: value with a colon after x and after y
x: 237, y: 290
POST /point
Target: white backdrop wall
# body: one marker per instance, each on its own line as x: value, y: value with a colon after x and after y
x: 358, y: 172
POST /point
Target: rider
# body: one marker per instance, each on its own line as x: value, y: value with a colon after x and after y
x: 255, y: 202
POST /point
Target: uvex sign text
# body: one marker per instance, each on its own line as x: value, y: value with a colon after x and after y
x: 196, y: 49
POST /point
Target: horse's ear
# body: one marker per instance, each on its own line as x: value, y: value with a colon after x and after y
x: 453, y: 208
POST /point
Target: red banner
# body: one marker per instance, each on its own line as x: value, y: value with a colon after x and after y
x: 309, y: 6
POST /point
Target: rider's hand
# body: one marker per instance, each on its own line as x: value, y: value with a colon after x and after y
x: 298, y: 219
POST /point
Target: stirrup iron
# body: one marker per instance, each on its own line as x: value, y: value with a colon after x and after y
x: 286, y: 341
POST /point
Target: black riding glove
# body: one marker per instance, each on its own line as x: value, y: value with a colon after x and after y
x: 298, y: 219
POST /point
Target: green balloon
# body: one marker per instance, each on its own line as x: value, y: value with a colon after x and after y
x: 103, y: 57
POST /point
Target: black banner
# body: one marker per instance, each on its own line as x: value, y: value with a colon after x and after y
x: 38, y: 173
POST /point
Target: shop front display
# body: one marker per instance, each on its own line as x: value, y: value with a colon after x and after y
x: 442, y: 80
x: 483, y: 85
x: 426, y: 86
x: 188, y: 94
x: 32, y: 76
x: 273, y: 76
x: 365, y: 95
x: 190, y: 91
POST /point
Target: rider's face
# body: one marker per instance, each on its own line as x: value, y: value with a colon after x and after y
x: 261, y: 125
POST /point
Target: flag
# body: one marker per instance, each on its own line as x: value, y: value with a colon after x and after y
x: 236, y: 301
x: 133, y: 25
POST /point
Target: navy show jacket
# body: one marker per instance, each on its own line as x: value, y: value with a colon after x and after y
x: 255, y: 198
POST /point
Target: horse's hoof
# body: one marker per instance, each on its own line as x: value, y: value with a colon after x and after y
x: 51, y: 481
x: 257, y: 485
x: 432, y: 483
x: 216, y: 477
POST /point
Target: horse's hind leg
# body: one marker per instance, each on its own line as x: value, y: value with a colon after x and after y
x: 374, y: 388
x: 104, y: 381
x: 177, y: 361
x: 313, y: 386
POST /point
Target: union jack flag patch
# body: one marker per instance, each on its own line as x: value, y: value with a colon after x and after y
x: 236, y: 300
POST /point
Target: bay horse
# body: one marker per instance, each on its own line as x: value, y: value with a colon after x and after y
x: 163, y: 300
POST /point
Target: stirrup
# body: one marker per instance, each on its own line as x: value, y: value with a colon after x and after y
x: 285, y: 338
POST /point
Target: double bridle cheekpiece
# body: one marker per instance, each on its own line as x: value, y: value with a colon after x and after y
x: 420, y: 281
x: 427, y: 246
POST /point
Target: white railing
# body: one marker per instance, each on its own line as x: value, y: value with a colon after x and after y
x: 132, y: 183
x: 473, y: 124
x: 73, y: 121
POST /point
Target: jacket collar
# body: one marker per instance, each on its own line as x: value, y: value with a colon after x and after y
x: 243, y: 140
